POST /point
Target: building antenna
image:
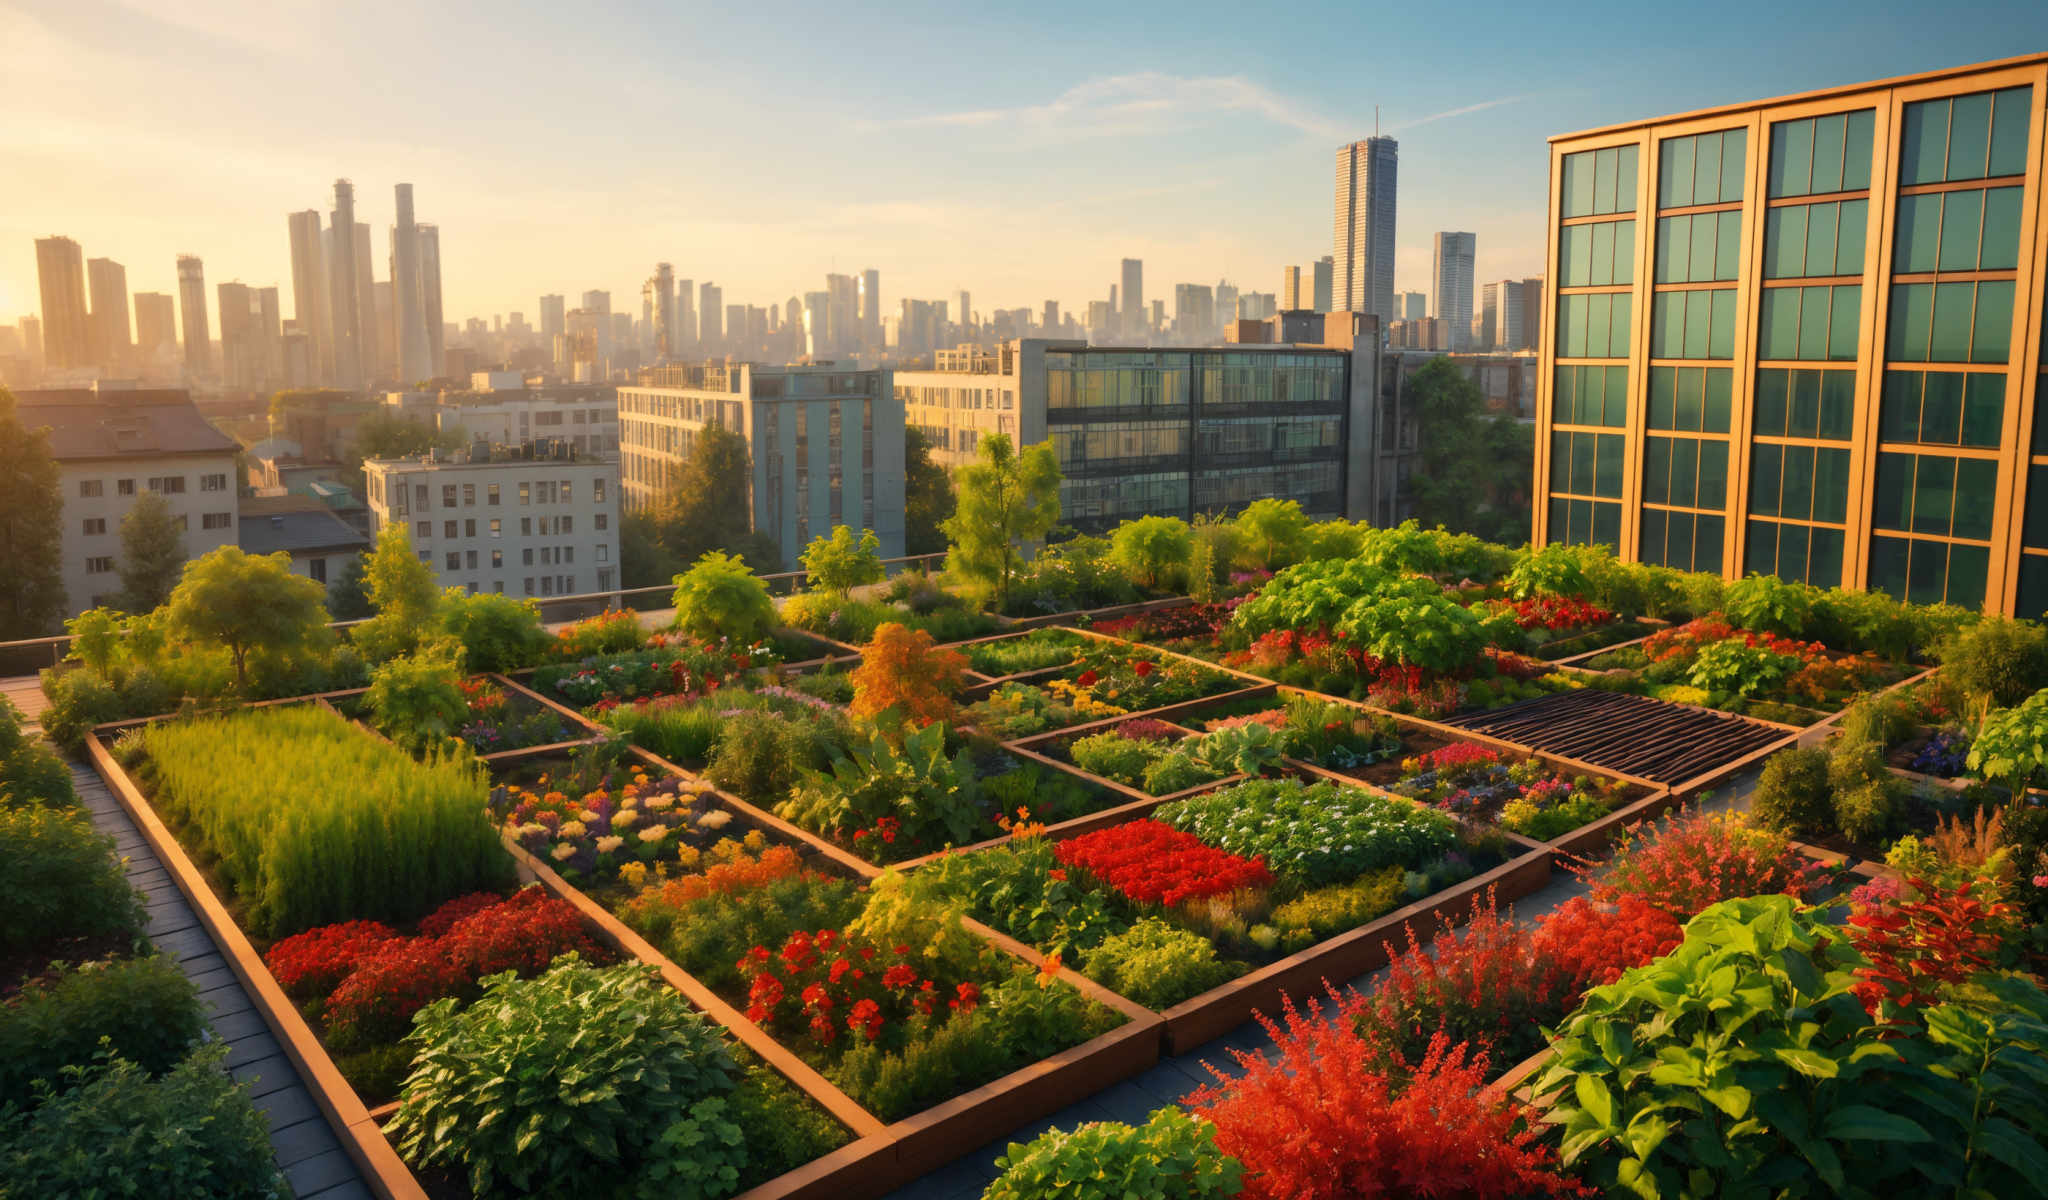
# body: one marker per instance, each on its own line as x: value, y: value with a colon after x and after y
x: 1375, y: 120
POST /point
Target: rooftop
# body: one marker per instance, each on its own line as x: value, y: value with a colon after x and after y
x: 86, y: 425
x: 293, y: 523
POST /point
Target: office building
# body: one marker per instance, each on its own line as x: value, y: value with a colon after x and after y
x: 1324, y: 272
x: 1290, y: 288
x: 1414, y: 306
x: 661, y: 296
x: 1452, y: 278
x: 686, y: 317
x: 532, y: 520
x: 1803, y: 337
x: 871, y: 309
x: 551, y: 318
x: 430, y: 297
x: 110, y: 341
x: 111, y: 446
x: 1170, y: 432
x: 310, y: 289
x: 826, y: 444
x: 192, y: 313
x: 711, y: 319
x: 345, y: 341
x: 1511, y: 311
x: 67, y: 333
x: 1256, y: 306
x: 156, y: 327
x: 1132, y: 298
x: 373, y: 316
x: 1363, y: 254
x: 501, y: 408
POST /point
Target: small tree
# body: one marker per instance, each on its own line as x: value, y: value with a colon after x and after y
x: 721, y: 598
x: 418, y: 698
x: 152, y: 553
x: 1272, y: 534
x: 1153, y: 552
x: 248, y: 603
x: 1005, y: 500
x: 95, y: 637
x: 348, y: 595
x: 31, y: 530
x: 841, y: 563
x: 927, y: 496
x: 2011, y: 746
x: 495, y: 633
x: 705, y: 508
x: 403, y: 591
x: 902, y: 671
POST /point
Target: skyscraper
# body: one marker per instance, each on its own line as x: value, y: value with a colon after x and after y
x: 109, y: 281
x: 841, y: 310
x: 1413, y: 306
x: 871, y: 309
x: 598, y: 306
x: 1452, y: 277
x: 661, y: 296
x: 966, y: 317
x: 156, y: 325
x: 380, y: 363
x: 551, y: 312
x: 60, y: 269
x: 1133, y: 297
x: 409, y: 335
x: 241, y: 351
x: 344, y: 312
x: 430, y: 297
x: 1325, y: 269
x: 192, y: 310
x: 686, y: 317
x: 1363, y: 256
x: 711, y: 317
x: 310, y: 290
x: 1052, y: 318
x: 1225, y: 303
x: 1290, y: 288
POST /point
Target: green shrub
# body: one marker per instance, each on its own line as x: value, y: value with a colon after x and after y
x: 682, y: 733
x: 1173, y: 1156
x: 842, y: 562
x: 311, y: 821
x: 2011, y: 747
x: 1998, y: 661
x: 721, y: 598
x: 1154, y: 552
x: 1156, y: 964
x: 146, y: 1006
x: 1883, y: 720
x: 498, y: 633
x: 113, y: 1131
x: 1792, y: 794
x: 579, y: 1073
x: 378, y: 1073
x: 1868, y: 811
x: 1731, y: 668
x: 1013, y: 889
x: 933, y: 796
x: 785, y: 1128
x: 79, y: 700
x: 1331, y: 910
x: 1246, y: 749
x: 1551, y: 571
x: 1176, y: 772
x: 762, y: 755
x: 1113, y: 756
x: 417, y: 700
x: 1768, y: 604
x: 1270, y: 534
x: 837, y: 615
x: 1316, y: 834
x: 29, y: 772
x: 62, y: 880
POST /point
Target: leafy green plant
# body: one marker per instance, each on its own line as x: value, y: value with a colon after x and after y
x: 63, y: 880
x: 496, y: 633
x: 1745, y: 1060
x: 1998, y: 662
x: 579, y: 1073
x: 401, y: 587
x: 29, y: 772
x: 1004, y: 500
x: 1177, y: 771
x: 109, y: 1129
x: 1315, y: 834
x: 1731, y: 668
x: 144, y: 1009
x: 1172, y: 1156
x: 252, y: 605
x: 1326, y: 911
x: 2012, y: 745
x: 841, y: 562
x: 721, y: 597
x: 417, y: 700
x: 1157, y: 965
x: 1552, y: 571
x: 1768, y: 604
x: 1271, y: 534
x: 1882, y: 720
x: 929, y: 796
x: 762, y: 755
x: 1410, y: 621
x: 1020, y: 889
x: 1153, y: 551
x: 1113, y: 756
x: 1792, y: 794
x: 1246, y: 749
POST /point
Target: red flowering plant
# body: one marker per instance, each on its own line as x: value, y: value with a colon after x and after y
x: 614, y: 631
x: 486, y: 700
x: 1198, y: 623
x: 309, y: 965
x: 826, y: 985
x: 1920, y: 948
x: 1326, y: 1116
x: 1693, y: 859
x: 1552, y: 613
x: 1151, y: 862
x: 1592, y: 945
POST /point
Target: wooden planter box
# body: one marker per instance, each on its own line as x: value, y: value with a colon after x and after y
x: 1109, y: 612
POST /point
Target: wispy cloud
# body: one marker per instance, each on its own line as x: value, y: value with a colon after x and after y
x: 1137, y: 103
x: 1465, y: 110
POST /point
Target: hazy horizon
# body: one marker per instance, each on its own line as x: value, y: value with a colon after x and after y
x: 1016, y: 155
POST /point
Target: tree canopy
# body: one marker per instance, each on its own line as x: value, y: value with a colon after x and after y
x: 248, y: 603
x: 31, y: 534
x: 706, y: 507
x: 402, y: 590
x: 1475, y: 465
x: 1005, y: 500
x: 152, y: 553
x: 927, y: 496
x: 843, y: 562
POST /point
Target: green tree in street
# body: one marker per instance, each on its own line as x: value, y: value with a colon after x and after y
x: 1005, y: 500
x: 31, y: 534
x: 348, y: 596
x: 152, y: 554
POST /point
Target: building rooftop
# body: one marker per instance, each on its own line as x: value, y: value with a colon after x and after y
x: 85, y: 424
x: 293, y: 523
x: 535, y: 453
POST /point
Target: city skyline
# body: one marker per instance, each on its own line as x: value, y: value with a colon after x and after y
x: 1204, y: 150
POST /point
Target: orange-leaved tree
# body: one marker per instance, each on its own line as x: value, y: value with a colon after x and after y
x: 902, y: 671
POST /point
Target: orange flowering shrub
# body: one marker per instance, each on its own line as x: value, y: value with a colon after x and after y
x: 741, y: 874
x: 904, y: 670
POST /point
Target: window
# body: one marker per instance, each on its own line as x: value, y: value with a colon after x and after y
x: 526, y: 557
x: 469, y: 495
x: 1587, y: 464
x: 497, y: 558
x: 1973, y: 230
x: 89, y: 488
x: 498, y: 587
x: 1698, y: 248
x: 1951, y: 322
x: 568, y: 493
x: 1803, y: 240
x: 216, y: 520
x: 568, y: 585
x: 525, y: 493
x: 1805, y: 404
x: 1577, y: 522
x: 419, y: 497
x: 99, y: 565
x: 454, y: 560
x: 1596, y: 182
x: 491, y: 498
x: 1692, y: 324
x: 604, y: 553
x: 1596, y: 326
x: 1703, y: 169
x: 597, y: 491
x: 566, y: 554
x: 547, y: 585
x: 1801, y: 483
x: 469, y: 559
x: 124, y: 487
x: 1691, y: 472
x: 469, y: 527
x: 426, y: 557
x: 95, y: 526
x: 1800, y: 553
x: 1922, y: 571
x: 1692, y: 399
x: 1983, y: 136
x: 497, y: 530
x: 1934, y: 493
x: 1819, y: 155
x: 566, y: 525
x: 422, y: 530
x: 1687, y: 541
x: 604, y: 521
x: 1809, y: 323
x: 526, y: 527
x: 316, y: 570
x: 529, y: 585
x: 213, y: 483
x: 448, y: 529
x: 1943, y: 408
x: 1591, y: 396
x: 169, y: 485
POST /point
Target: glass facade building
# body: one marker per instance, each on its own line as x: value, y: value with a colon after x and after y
x: 1803, y: 337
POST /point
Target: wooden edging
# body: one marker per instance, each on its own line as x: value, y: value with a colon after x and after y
x: 382, y: 1169
x: 1108, y: 612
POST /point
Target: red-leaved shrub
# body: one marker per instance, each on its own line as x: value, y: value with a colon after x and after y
x: 1919, y: 948
x: 1324, y: 1118
x: 1592, y: 946
x: 310, y: 964
x: 1154, y: 863
x: 1692, y: 860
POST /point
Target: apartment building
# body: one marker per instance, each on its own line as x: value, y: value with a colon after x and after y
x: 826, y: 444
x: 1802, y: 337
x: 536, y: 519
x: 499, y: 407
x: 112, y: 446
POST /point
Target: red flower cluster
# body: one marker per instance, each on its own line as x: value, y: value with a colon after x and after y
x: 1199, y: 621
x: 887, y: 830
x: 1154, y: 863
x: 1458, y: 758
x: 1555, y: 612
x: 816, y: 977
x: 1325, y: 1117
x: 1917, y: 948
x: 485, y: 699
x: 1147, y: 729
x: 1691, y: 860
x: 1686, y: 641
x: 372, y: 981
x: 1593, y: 946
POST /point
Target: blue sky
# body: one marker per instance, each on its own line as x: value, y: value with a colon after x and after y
x: 1018, y: 153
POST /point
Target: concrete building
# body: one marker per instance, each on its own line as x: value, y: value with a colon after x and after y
x: 826, y: 444
x: 1363, y: 257
x: 111, y: 446
x: 502, y: 409
x: 532, y: 520
x: 321, y: 544
x: 156, y: 326
x: 430, y: 298
x: 551, y: 317
x: 310, y: 289
x: 1510, y: 314
x: 1173, y: 432
x: 1324, y: 272
x: 871, y: 310
x: 1452, y: 278
x: 345, y: 314
x: 1133, y: 298
x: 1802, y: 337
x: 1413, y: 306
x: 1290, y: 288
x: 111, y: 346
x: 67, y: 332
x: 711, y: 319
x: 192, y: 312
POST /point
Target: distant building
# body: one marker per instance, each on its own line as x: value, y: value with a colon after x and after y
x: 310, y: 289
x: 826, y: 444
x: 192, y: 311
x: 67, y: 335
x: 1363, y: 257
x: 1324, y: 272
x: 1134, y: 297
x: 535, y: 520
x: 320, y: 542
x: 1452, y: 278
x: 156, y: 325
x: 1414, y: 306
x: 112, y: 446
x: 110, y: 341
x: 501, y: 409
x: 1290, y: 288
x: 354, y: 357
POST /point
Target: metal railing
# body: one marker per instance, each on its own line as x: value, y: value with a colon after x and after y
x: 28, y: 656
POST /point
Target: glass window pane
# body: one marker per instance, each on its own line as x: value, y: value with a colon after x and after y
x: 1923, y: 143
x: 1993, y: 342
x: 1616, y: 396
x: 1603, y: 180
x: 1827, y: 154
x: 1888, y: 565
x: 1984, y: 410
x: 1962, y: 219
x: 1560, y: 463
x: 1625, y: 180
x: 1797, y: 498
x: 1713, y: 491
x: 1813, y: 323
x: 1691, y: 399
x: 1721, y: 335
x: 1704, y: 226
x: 1728, y: 245
x: 1837, y: 405
x: 1844, y: 311
x: 1760, y: 553
x: 1968, y: 568
x: 1911, y: 310
x: 2010, y: 111
x: 1685, y: 466
x: 1969, y: 136
x: 1892, y: 508
x: 2001, y: 246
x: 1856, y: 150
x: 1607, y: 476
x: 1600, y: 264
x: 2035, y: 531
x: 1785, y: 175
x: 1780, y: 321
x: 1606, y: 525
x: 1598, y: 317
x: 1976, y: 491
x: 1824, y: 559
x: 1706, y: 543
x: 1927, y: 573
x: 1898, y: 410
x: 1674, y: 174
x: 1792, y: 547
x: 1720, y: 382
x: 1577, y: 185
x: 1934, y: 494
x: 1734, y: 149
x: 1624, y: 252
x: 1820, y: 238
x: 1805, y: 416
x: 1663, y: 396
x: 1571, y: 326
x: 1830, y: 485
x: 1699, y: 319
x: 1706, y: 169
x: 1919, y: 234
x: 1850, y: 233
x: 1785, y: 242
x: 1657, y: 470
x: 1674, y: 248
x: 1575, y: 254
x: 2033, y: 598
x: 1618, y: 331
x: 1941, y: 408
x: 1765, y: 468
x: 1770, y: 401
x: 1652, y: 550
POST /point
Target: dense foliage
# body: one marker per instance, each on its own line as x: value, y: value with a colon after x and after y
x: 1172, y: 1156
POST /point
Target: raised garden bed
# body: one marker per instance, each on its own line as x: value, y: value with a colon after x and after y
x: 1710, y: 663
